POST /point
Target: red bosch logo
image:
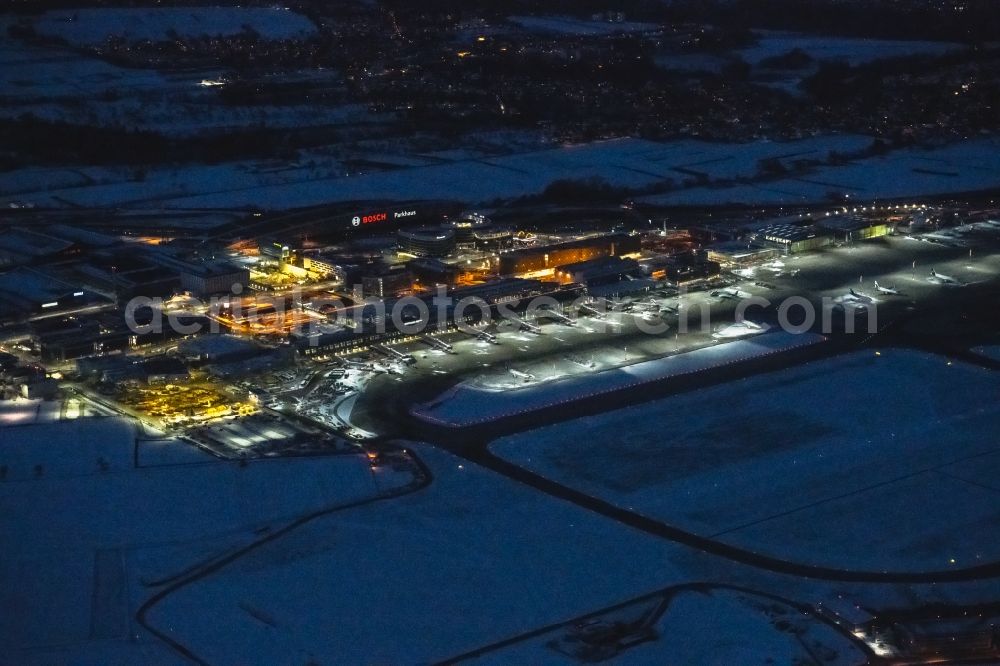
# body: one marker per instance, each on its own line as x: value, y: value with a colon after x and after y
x: 374, y: 217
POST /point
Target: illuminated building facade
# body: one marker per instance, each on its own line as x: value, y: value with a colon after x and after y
x: 548, y: 257
x: 792, y: 238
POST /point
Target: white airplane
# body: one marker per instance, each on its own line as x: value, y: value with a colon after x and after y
x: 854, y: 299
x: 731, y: 292
x: 943, y: 279
x: 886, y: 290
x: 524, y: 376
x: 528, y: 326
x: 488, y: 337
x: 740, y: 329
x: 859, y: 297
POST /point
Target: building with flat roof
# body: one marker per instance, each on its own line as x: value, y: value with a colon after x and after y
x: 215, y: 277
x: 792, y: 238
x: 274, y: 249
x: 854, y: 227
x: 386, y: 283
x: 600, y: 271
x: 433, y: 271
x: 741, y: 254
x: 26, y: 291
x: 548, y: 257
x: 24, y: 246
x: 504, y: 290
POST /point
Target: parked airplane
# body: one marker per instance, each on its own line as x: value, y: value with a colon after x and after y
x: 524, y: 376
x: 859, y: 297
x: 740, y: 329
x: 731, y: 292
x: 886, y: 290
x: 943, y: 279
x: 854, y: 299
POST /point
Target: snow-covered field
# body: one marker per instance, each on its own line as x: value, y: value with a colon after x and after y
x: 469, y: 403
x: 853, y: 51
x: 470, y: 560
x: 861, y: 462
x: 38, y: 74
x: 569, y: 25
x: 80, y: 498
x: 964, y: 166
x: 95, y: 25
x: 989, y: 351
x: 58, y: 84
x: 628, y: 163
x: 702, y: 625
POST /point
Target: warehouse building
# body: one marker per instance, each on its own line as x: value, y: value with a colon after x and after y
x: 849, y: 228
x: 385, y: 283
x: 213, y: 278
x: 27, y: 291
x: 792, y: 238
x: 690, y: 267
x: 24, y: 246
x: 548, y: 257
x: 600, y: 271
x: 740, y: 254
x: 433, y: 271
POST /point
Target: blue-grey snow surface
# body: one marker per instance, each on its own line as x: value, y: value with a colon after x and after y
x: 95, y: 24
x: 861, y: 461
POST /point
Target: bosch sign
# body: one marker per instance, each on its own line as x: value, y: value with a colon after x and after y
x: 374, y: 217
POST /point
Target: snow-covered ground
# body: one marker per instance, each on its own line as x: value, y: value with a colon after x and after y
x: 963, y: 166
x: 470, y: 560
x: 864, y: 461
x: 59, y: 84
x: 989, y: 351
x: 79, y: 500
x: 470, y: 403
x: 701, y: 625
x: 569, y: 25
x: 34, y: 73
x: 94, y: 25
x: 628, y: 163
x: 725, y: 627
x: 187, y: 110
x: 853, y: 51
